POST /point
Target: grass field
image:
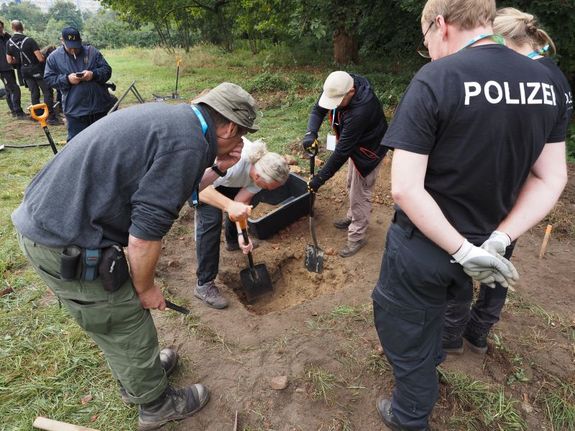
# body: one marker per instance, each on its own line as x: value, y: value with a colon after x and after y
x: 48, y: 366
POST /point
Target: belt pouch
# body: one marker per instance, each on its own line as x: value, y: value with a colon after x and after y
x: 90, y: 261
x: 69, y: 260
x: 113, y: 268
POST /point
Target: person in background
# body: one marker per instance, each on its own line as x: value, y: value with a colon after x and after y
x: 523, y: 34
x: 122, y: 183
x: 23, y: 51
x: 257, y: 169
x: 8, y: 77
x: 358, y: 125
x: 80, y: 73
x: 479, y: 158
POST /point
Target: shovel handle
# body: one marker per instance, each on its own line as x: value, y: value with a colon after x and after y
x: 34, y: 114
x: 244, y: 227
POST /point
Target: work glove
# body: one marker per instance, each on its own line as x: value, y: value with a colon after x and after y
x: 484, y: 267
x: 314, y: 184
x: 497, y: 243
x: 309, y: 143
x: 245, y: 248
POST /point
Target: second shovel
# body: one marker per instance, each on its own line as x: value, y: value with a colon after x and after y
x: 256, y: 280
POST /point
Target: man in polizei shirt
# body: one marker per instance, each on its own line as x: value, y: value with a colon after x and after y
x: 479, y: 158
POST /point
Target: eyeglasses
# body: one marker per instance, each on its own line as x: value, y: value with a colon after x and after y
x: 421, y: 48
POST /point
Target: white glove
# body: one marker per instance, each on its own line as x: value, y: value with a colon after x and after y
x: 485, y: 267
x: 497, y: 243
x: 246, y: 248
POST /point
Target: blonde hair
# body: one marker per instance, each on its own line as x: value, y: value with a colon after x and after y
x: 269, y: 166
x: 521, y: 28
x: 466, y: 14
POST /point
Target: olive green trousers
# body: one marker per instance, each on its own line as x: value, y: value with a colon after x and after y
x: 117, y: 322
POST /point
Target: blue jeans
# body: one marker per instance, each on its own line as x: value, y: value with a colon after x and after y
x: 415, y: 283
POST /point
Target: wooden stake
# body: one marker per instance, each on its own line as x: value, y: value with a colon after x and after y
x: 545, y: 240
x: 52, y: 425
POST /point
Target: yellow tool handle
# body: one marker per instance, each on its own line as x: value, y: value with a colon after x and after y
x: 34, y: 114
x: 243, y: 223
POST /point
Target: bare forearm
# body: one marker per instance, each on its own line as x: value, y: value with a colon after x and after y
x: 424, y: 212
x: 209, y: 177
x: 536, y: 199
x: 143, y: 256
x: 212, y: 197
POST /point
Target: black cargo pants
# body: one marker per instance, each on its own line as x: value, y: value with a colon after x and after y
x: 416, y: 280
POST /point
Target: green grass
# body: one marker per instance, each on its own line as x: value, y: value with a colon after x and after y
x: 479, y: 406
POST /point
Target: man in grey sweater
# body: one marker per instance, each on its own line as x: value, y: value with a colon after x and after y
x: 122, y: 183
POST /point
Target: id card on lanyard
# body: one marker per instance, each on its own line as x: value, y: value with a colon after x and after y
x: 202, y: 120
x: 332, y: 137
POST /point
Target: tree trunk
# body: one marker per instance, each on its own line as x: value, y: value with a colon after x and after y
x: 345, y: 47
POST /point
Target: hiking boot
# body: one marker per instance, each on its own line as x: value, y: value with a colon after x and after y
x: 476, y: 342
x: 210, y: 295
x: 352, y: 247
x: 168, y: 360
x: 342, y: 223
x: 453, y: 347
x: 172, y: 405
x: 384, y: 409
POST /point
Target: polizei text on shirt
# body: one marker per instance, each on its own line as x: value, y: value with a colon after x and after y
x: 516, y: 93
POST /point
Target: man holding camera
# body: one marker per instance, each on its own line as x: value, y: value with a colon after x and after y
x: 80, y: 73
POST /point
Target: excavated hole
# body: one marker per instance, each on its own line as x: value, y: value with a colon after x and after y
x: 292, y: 284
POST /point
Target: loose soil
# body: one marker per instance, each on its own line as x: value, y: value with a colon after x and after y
x: 317, y: 329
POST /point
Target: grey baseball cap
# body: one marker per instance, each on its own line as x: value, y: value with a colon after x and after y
x: 233, y: 102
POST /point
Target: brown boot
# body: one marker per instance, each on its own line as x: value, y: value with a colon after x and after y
x: 352, y: 247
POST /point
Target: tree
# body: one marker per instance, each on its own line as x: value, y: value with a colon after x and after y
x: 67, y: 13
x: 31, y: 16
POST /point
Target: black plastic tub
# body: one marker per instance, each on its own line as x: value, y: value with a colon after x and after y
x: 293, y: 199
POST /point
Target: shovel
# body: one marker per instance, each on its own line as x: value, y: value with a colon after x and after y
x: 313, y: 252
x: 256, y: 280
x: 42, y: 119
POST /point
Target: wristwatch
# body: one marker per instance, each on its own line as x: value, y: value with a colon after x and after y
x: 218, y: 171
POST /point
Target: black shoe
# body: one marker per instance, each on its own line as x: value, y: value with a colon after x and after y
x: 232, y: 246
x: 53, y: 121
x: 477, y: 342
x: 453, y: 347
x: 384, y: 409
x: 342, y: 223
x: 173, y: 405
x: 168, y: 359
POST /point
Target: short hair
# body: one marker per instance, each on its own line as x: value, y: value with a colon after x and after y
x: 466, y: 14
x: 271, y: 167
x: 521, y: 28
x: 17, y: 25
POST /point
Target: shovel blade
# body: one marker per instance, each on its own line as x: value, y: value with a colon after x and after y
x: 314, y: 259
x: 256, y: 282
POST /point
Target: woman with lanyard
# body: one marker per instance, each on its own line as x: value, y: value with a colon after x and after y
x: 522, y: 34
x: 257, y: 169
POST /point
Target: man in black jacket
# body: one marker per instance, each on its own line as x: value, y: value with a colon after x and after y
x: 8, y: 77
x: 358, y: 125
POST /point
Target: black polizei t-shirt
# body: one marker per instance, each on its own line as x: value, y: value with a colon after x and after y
x: 562, y: 87
x: 482, y: 115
